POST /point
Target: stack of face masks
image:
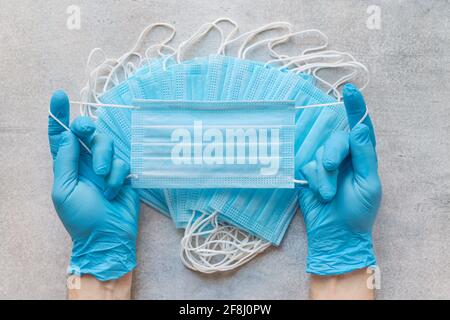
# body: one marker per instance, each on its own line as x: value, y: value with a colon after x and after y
x: 224, y: 227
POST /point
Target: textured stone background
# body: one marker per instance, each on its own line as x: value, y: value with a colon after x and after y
x: 408, y: 98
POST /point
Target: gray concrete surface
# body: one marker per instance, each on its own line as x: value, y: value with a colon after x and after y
x: 408, y: 97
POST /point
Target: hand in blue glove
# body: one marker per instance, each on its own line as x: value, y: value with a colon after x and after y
x: 97, y: 209
x: 343, y: 196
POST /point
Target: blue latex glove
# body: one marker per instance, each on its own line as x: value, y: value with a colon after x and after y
x: 97, y: 209
x: 343, y: 196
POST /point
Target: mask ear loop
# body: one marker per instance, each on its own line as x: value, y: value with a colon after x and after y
x: 356, y: 66
x: 302, y: 61
x: 263, y: 41
x: 344, y: 79
x: 112, y: 66
x: 159, y: 51
x: 252, y: 34
x: 209, y: 246
x: 134, y: 51
x: 93, y: 83
x: 200, y: 33
x: 303, y: 64
x: 86, y: 91
x: 249, y: 35
x: 274, y: 43
x: 204, y: 30
x: 229, y: 35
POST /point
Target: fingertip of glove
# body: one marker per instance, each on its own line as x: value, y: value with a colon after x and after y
x: 350, y: 90
x: 327, y: 194
x: 59, y: 97
x: 83, y: 126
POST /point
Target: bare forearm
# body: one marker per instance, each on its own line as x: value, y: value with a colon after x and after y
x: 89, y: 288
x: 348, y: 286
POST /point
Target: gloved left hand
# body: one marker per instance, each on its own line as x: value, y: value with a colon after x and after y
x: 97, y: 209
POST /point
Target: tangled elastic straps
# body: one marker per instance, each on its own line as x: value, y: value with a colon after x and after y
x: 111, y: 72
x: 209, y: 247
x: 250, y: 35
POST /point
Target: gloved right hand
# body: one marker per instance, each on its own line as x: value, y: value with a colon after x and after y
x: 97, y: 209
x: 344, y: 193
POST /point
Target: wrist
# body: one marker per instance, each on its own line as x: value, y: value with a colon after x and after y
x: 103, y: 257
x: 88, y: 287
x: 353, y: 285
x: 342, y: 253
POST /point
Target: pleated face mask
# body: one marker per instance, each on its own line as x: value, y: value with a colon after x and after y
x: 264, y: 213
x: 186, y: 144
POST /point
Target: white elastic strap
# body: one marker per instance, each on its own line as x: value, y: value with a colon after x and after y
x: 356, y: 66
x: 312, y: 63
x: 201, y: 32
x: 252, y: 34
x: 281, y: 38
x: 107, y: 71
x: 68, y: 129
x: 91, y: 55
x: 204, y: 30
x: 208, y: 246
x: 303, y: 61
x: 273, y: 42
x: 137, y: 46
x: 147, y: 30
x: 229, y: 35
x: 160, y: 53
x: 104, y: 105
x: 249, y: 35
x: 276, y: 42
x: 321, y: 105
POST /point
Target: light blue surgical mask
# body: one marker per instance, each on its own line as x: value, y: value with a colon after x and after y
x: 185, y: 144
x: 265, y: 213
